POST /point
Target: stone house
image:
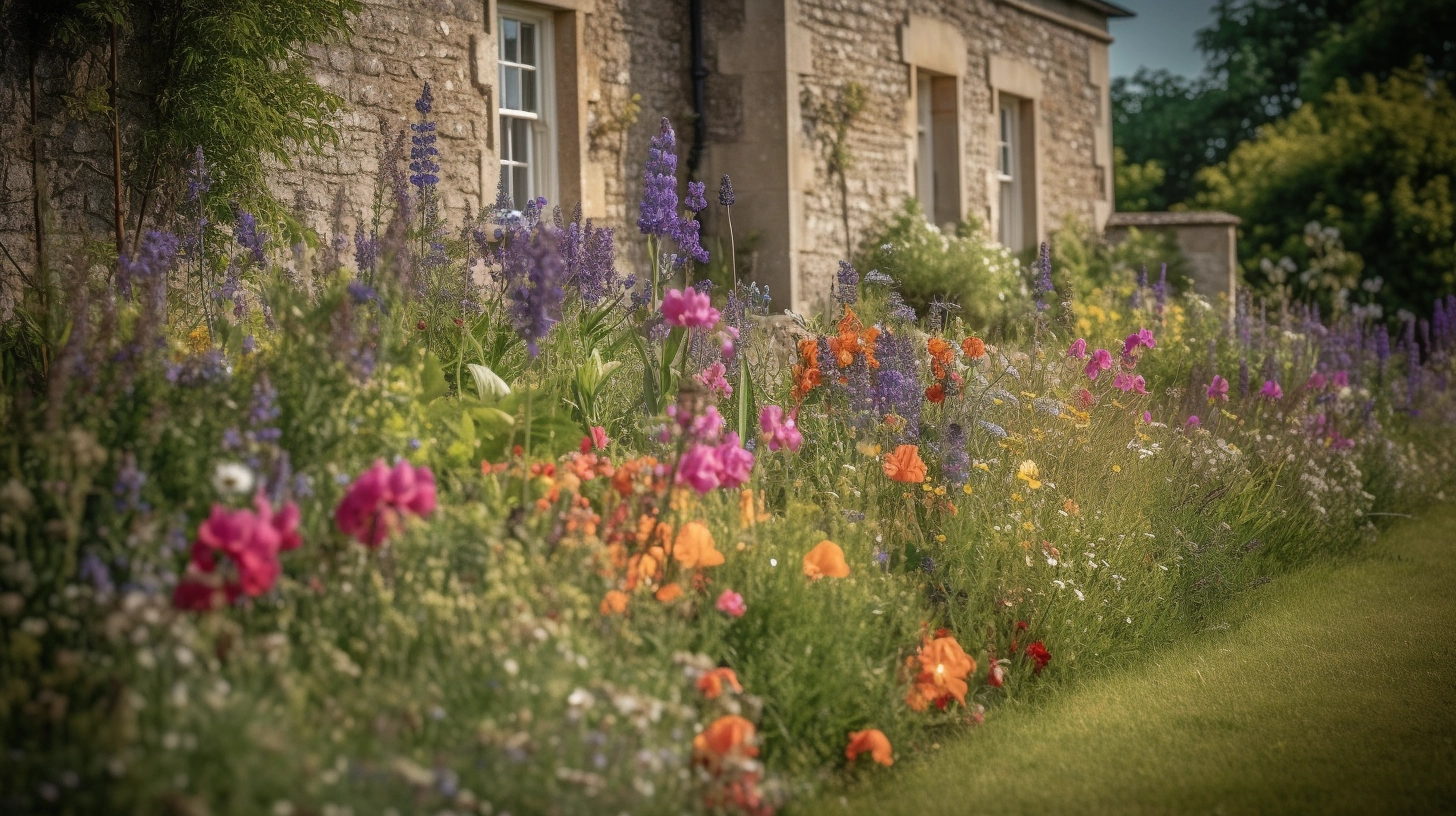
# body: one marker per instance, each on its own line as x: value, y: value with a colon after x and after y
x: 993, y: 110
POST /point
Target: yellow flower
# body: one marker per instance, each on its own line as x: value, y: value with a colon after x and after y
x: 1029, y: 473
x: 983, y: 466
x: 966, y: 490
x: 1117, y: 468
x: 868, y: 448
x: 199, y: 340
x: 1026, y: 525
x: 1017, y: 497
x: 940, y: 538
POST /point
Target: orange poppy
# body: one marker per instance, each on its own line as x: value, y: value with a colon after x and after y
x: 711, y: 684
x: 726, y: 737
x: 826, y: 559
x: 669, y: 593
x: 615, y: 603
x: 873, y: 742
x: 905, y: 465
x: 694, y: 547
x: 935, y: 393
x: 973, y: 348
x: 943, y: 670
x: 942, y: 356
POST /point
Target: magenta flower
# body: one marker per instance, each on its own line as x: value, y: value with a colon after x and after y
x: 1147, y: 417
x: 731, y: 604
x: 700, y: 468
x: 735, y: 465
x: 1193, y: 422
x: 1100, y: 362
x: 779, y: 430
x: 689, y: 309
x: 1316, y: 382
x: 1078, y: 349
x: 1122, y: 382
x: 1139, y: 385
x: 1271, y: 390
x: 1341, y: 379
x: 377, y: 501
x: 714, y: 380
x: 250, y: 541
x: 1218, y: 389
x: 1145, y: 336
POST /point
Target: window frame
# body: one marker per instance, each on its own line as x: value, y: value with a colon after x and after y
x: 1011, y: 231
x: 542, y: 161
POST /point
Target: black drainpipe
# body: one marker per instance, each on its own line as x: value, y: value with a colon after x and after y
x: 700, y: 95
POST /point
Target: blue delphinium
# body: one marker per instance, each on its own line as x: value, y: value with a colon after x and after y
x: 249, y: 236
x: 659, y: 185
x: 1043, y: 288
x: 535, y: 273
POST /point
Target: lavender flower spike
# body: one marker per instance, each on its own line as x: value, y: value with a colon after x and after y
x: 725, y: 191
x: 659, y: 184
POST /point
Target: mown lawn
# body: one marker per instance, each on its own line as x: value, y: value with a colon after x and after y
x: 1332, y: 691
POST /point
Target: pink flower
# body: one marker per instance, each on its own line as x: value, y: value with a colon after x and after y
x: 728, y: 336
x: 779, y: 431
x: 1078, y: 349
x: 699, y: 467
x: 1085, y: 398
x: 1271, y: 390
x: 1127, y: 382
x: 1218, y: 389
x: 377, y: 501
x: 250, y: 541
x: 284, y: 522
x: 1100, y: 362
x: 731, y: 604
x: 735, y: 465
x: 1193, y: 422
x: 1341, y: 379
x: 1147, y: 417
x: 1316, y: 381
x: 1130, y: 344
x: 1145, y: 336
x: 1139, y: 385
x: 712, y: 378
x: 689, y: 309
x: 599, y: 437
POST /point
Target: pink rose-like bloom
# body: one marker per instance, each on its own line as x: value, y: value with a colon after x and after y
x: 735, y: 465
x: 1122, y: 382
x: 731, y: 604
x: 250, y: 541
x: 779, y: 430
x: 377, y: 501
x: 1145, y: 336
x: 1147, y: 417
x: 689, y: 308
x: 599, y: 437
x: 700, y: 468
x: 1218, y: 389
x: 729, y: 336
x: 1193, y: 422
x: 712, y: 378
x: 1100, y: 362
x: 1271, y: 390
x: 1078, y: 349
x: 1139, y: 385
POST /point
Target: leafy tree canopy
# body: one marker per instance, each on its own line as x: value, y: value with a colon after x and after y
x: 1375, y: 162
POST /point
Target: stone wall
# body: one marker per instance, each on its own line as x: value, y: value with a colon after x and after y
x: 771, y: 64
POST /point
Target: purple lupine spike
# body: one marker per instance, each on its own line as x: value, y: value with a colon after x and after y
x: 725, y: 191
x: 534, y: 274
x: 846, y: 284
x: 659, y: 185
x: 366, y: 250
x: 1043, y: 285
x: 897, y: 386
x: 955, y: 460
x: 696, y: 200
x: 249, y: 236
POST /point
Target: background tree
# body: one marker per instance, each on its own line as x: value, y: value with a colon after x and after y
x: 1374, y: 162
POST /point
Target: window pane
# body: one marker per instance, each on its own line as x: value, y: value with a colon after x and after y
x: 511, y: 88
x: 528, y: 44
x: 520, y: 190
x: 528, y: 90
x: 510, y: 41
x: 520, y: 140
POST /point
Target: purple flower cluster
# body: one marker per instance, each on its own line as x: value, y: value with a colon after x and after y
x: 897, y: 387
x: 147, y: 270
x: 249, y: 236
x: 955, y: 460
x: 423, y: 166
x: 128, y: 487
x: 590, y: 258
x: 1043, y: 286
x: 846, y: 284
x: 534, y: 274
x: 659, y: 209
x: 725, y: 191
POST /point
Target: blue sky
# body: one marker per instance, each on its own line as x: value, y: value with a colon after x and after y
x: 1160, y: 36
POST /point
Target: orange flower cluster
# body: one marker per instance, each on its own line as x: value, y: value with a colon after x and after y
x: 854, y: 339
x: 873, y: 742
x: 725, y: 740
x: 942, y: 367
x: 806, y: 373
x: 825, y: 560
x: 905, y: 465
x: 973, y: 347
x: 712, y: 682
x: 941, y: 668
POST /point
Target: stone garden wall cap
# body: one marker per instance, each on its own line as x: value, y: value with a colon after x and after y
x: 1172, y: 219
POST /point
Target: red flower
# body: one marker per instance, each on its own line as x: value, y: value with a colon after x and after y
x: 250, y: 541
x: 1038, y: 652
x: 377, y: 501
x: 935, y: 393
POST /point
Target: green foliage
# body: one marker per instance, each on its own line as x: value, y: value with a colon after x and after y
x: 1138, y: 186
x: 1087, y: 263
x: 1374, y: 162
x: 967, y: 269
x: 1264, y: 60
